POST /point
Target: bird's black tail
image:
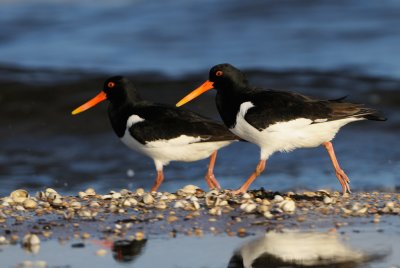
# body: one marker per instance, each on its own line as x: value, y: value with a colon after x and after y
x: 371, y: 114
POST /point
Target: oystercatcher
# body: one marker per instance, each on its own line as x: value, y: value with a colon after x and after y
x: 279, y: 120
x: 161, y: 132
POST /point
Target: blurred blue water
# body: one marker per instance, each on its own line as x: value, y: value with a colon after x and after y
x: 181, y: 36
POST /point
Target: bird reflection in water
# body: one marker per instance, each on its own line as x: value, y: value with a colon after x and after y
x: 127, y: 250
x: 295, y: 249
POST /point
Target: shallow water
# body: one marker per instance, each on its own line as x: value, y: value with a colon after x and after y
x: 182, y: 251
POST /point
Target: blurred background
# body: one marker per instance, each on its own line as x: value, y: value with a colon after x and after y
x: 55, y: 55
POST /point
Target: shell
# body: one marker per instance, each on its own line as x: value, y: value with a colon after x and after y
x: 278, y: 198
x: 30, y: 204
x: 139, y: 191
x: 161, y: 205
x: 148, y: 199
x: 328, y: 200
x: 288, y: 205
x: 189, y: 189
x: 248, y: 207
x: 30, y: 240
x: 19, y: 196
x: 90, y: 192
x: 116, y: 195
x: 76, y: 205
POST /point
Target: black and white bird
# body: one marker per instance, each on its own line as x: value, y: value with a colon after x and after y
x: 161, y: 132
x: 278, y: 120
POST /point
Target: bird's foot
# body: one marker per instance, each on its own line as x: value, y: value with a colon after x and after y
x: 343, y: 180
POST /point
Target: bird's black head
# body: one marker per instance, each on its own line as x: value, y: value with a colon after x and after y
x: 225, y: 76
x: 222, y: 77
x: 117, y: 89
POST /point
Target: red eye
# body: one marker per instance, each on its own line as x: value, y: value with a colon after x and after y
x: 111, y: 84
x: 219, y: 73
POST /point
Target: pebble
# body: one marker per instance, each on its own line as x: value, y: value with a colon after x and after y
x: 278, y: 198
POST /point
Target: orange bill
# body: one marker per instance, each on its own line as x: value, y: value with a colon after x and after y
x: 99, y: 98
x: 207, y: 85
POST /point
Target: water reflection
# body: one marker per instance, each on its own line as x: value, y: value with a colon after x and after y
x: 293, y: 249
x: 128, y: 250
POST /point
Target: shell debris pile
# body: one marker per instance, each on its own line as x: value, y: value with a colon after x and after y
x: 190, y: 210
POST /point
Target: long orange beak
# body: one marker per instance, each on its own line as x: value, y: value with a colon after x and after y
x: 207, y: 85
x: 99, y: 98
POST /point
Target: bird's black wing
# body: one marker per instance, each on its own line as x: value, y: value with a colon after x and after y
x: 271, y: 106
x: 163, y: 122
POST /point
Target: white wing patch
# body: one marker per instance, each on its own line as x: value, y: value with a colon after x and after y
x: 289, y: 126
x: 181, y: 140
x: 133, y: 119
x: 320, y: 120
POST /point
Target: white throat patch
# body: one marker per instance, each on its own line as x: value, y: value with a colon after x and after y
x: 133, y: 119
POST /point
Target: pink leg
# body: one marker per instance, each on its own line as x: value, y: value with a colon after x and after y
x: 210, y: 178
x: 260, y: 168
x: 159, y: 180
x: 342, y: 177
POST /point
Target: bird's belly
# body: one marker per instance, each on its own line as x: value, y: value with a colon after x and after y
x: 287, y: 136
x: 165, y: 151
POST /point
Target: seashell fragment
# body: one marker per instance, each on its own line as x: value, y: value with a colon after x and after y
x: 19, y: 196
